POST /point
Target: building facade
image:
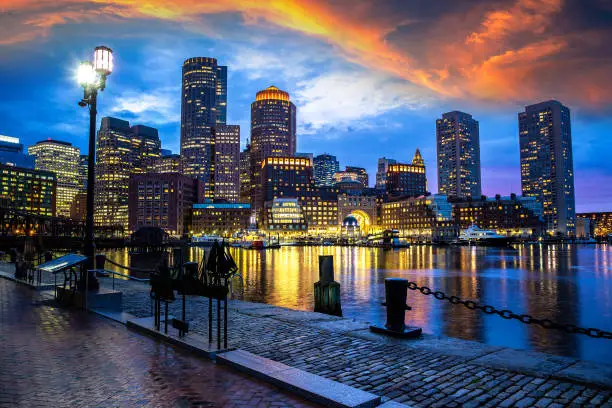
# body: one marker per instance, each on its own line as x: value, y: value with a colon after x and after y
x: 407, y: 180
x: 161, y: 200
x: 284, y: 215
x: 547, y: 169
x: 11, y: 153
x: 63, y: 159
x: 273, y: 131
x: 362, y: 175
x: 324, y: 168
x: 27, y: 190
x: 381, y: 173
x: 170, y: 163
x: 458, y: 151
x: 227, y: 163
x: 220, y: 218
x: 284, y: 177
x: 203, y: 106
x: 600, y: 225
x: 245, y: 174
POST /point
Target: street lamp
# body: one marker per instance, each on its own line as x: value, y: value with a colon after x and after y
x: 92, y: 76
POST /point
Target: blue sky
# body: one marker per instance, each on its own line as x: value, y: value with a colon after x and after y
x: 345, y: 76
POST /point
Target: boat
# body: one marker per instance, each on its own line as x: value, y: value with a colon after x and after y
x: 481, y: 237
x: 206, y: 240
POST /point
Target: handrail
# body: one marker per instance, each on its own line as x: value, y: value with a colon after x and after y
x: 125, y: 276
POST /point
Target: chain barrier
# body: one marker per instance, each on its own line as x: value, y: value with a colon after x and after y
x: 130, y: 268
x: 509, y: 315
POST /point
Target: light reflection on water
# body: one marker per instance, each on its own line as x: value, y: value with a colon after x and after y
x: 567, y: 284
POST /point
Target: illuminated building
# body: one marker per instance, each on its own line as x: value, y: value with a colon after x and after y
x: 273, y: 127
x: 226, y: 173
x: 505, y: 215
x: 122, y: 151
x: 83, y: 162
x: 320, y: 208
x: 324, y: 168
x: 407, y: 180
x: 600, y: 223
x: 203, y: 105
x: 348, y: 185
x: 308, y: 156
x: 27, y: 190
x: 547, y: 169
x: 583, y: 227
x: 245, y: 173
x: 381, y: 174
x: 170, y: 163
x: 284, y: 214
x: 78, y: 209
x: 222, y: 219
x: 363, y: 208
x: 428, y: 218
x: 63, y: 159
x: 362, y: 175
x: 161, y: 200
x: 11, y: 153
x: 458, y: 146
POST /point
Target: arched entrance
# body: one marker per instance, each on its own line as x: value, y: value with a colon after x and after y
x: 357, y: 223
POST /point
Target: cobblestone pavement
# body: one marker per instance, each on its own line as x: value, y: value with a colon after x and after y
x: 53, y: 357
x: 416, y: 377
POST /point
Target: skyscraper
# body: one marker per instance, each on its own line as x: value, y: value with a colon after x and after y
x: 83, y: 161
x: 407, y: 180
x: 226, y: 172
x: 273, y: 123
x: 203, y: 105
x: 362, y: 174
x: 547, y: 169
x: 458, y: 143
x: 381, y: 173
x: 245, y: 173
x: 63, y: 159
x: 122, y: 151
x: 324, y: 167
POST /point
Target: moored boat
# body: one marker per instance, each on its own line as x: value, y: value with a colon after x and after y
x: 481, y: 237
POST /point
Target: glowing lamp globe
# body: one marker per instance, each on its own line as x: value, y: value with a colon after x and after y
x: 86, y: 75
x: 103, y: 60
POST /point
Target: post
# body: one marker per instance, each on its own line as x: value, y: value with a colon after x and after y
x: 395, y: 301
x: 91, y: 180
x: 327, y: 291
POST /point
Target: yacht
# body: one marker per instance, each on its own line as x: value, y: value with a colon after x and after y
x: 480, y: 237
x: 206, y: 240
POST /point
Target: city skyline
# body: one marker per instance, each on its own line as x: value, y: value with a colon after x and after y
x: 146, y: 89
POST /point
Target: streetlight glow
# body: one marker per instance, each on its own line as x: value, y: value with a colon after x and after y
x: 86, y: 75
x: 103, y: 60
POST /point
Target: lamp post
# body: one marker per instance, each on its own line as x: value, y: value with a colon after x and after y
x: 92, y: 77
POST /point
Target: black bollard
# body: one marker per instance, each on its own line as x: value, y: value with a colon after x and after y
x: 327, y: 291
x: 395, y: 296
x: 100, y: 261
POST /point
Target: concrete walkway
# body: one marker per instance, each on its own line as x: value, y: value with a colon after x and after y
x: 436, y: 372
x: 52, y: 357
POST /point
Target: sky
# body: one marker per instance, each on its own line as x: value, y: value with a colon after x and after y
x: 368, y: 77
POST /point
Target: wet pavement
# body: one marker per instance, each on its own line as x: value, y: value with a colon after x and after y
x: 56, y: 357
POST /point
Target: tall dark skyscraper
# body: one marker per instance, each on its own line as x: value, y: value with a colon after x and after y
x: 324, y: 168
x: 547, y: 169
x: 407, y: 179
x: 203, y: 105
x: 227, y: 163
x: 381, y: 173
x: 458, y: 143
x: 272, y: 130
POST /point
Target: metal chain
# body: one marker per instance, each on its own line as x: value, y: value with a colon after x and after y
x: 508, y: 314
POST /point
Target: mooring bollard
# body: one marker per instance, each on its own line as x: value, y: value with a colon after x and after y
x: 177, y: 256
x: 327, y: 291
x: 395, y: 301
x: 100, y: 261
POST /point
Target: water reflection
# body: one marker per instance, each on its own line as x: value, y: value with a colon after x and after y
x: 568, y: 284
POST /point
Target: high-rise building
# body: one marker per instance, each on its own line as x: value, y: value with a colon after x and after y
x: 11, y: 153
x: 226, y: 173
x: 362, y: 175
x: 273, y: 126
x: 27, y: 190
x: 171, y: 163
x: 203, y: 106
x: 458, y: 144
x: 122, y: 151
x: 407, y: 180
x: 83, y: 163
x: 304, y: 155
x: 381, y: 173
x: 547, y: 169
x: 63, y: 159
x: 245, y: 174
x: 324, y: 167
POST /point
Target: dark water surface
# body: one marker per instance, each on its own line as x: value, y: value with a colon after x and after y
x: 567, y: 284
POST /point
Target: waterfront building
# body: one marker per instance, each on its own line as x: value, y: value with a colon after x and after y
x: 600, y: 224
x: 83, y: 166
x: 273, y: 132
x: 226, y: 173
x: 583, y: 228
x: 324, y: 167
x: 78, y: 209
x: 510, y: 216
x: 11, y: 153
x: 284, y: 177
x: 203, y: 106
x: 122, y: 151
x: 27, y: 190
x: 349, y: 186
x: 363, y: 208
x: 220, y: 218
x: 63, y: 159
x: 345, y: 176
x: 381, y: 173
x: 425, y: 218
x: 320, y: 207
x: 245, y: 173
x: 161, y: 200
x: 547, y: 170
x: 407, y: 180
x: 458, y: 150
x: 362, y: 175
x: 284, y: 215
x: 170, y: 163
